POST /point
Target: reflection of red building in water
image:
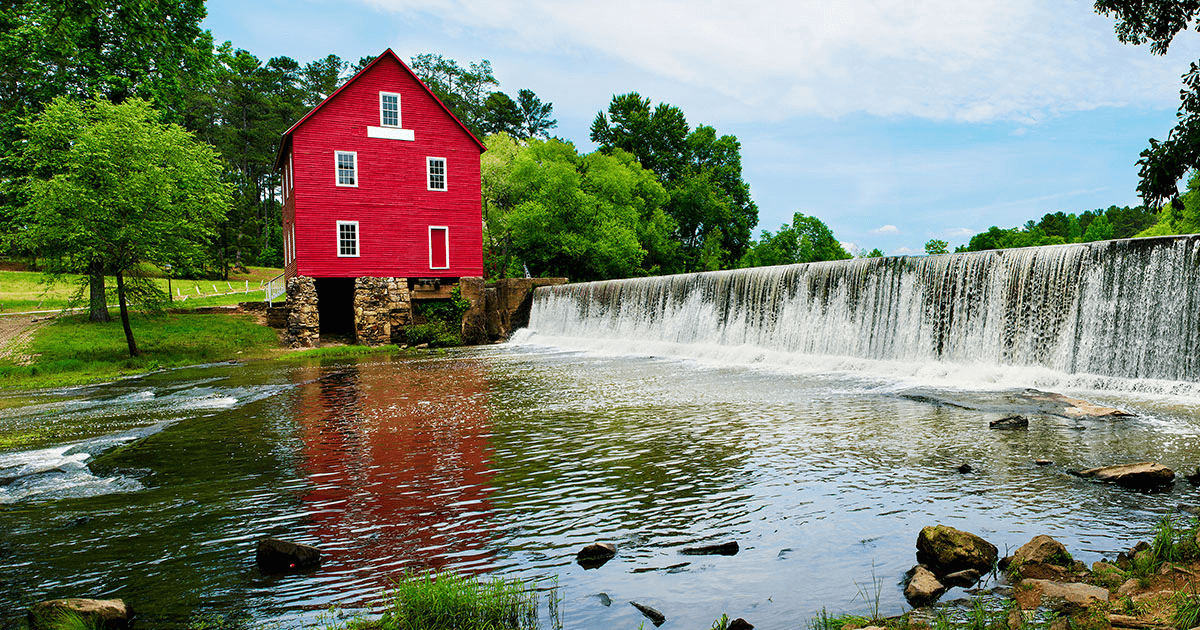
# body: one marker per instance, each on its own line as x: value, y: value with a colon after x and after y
x: 397, y: 455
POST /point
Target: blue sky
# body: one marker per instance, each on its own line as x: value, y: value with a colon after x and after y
x: 894, y: 121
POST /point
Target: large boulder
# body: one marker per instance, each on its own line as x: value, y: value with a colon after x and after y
x: 923, y: 587
x: 946, y: 550
x: 105, y: 614
x: 1140, y: 475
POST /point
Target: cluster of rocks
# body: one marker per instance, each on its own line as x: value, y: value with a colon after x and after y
x: 595, y: 555
x: 1042, y: 572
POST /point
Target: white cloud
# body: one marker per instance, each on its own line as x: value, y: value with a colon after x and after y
x: 905, y: 251
x: 851, y: 248
x: 964, y: 60
x: 886, y: 229
x: 961, y: 232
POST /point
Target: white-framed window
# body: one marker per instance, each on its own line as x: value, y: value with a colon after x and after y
x: 287, y: 245
x: 389, y: 109
x: 435, y: 168
x: 291, y: 170
x: 347, y: 239
x: 439, y: 247
x: 346, y: 163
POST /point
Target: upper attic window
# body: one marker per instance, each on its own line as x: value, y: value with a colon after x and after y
x: 389, y: 109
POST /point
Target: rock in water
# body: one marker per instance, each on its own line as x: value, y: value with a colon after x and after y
x: 280, y: 556
x: 945, y: 550
x: 965, y: 468
x: 595, y: 555
x: 740, y: 624
x: 964, y: 579
x: 923, y: 587
x: 653, y: 615
x: 1009, y: 422
x: 723, y: 549
x: 105, y: 614
x: 1066, y: 595
x: 1140, y: 475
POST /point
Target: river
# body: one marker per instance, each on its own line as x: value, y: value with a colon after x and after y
x: 508, y: 459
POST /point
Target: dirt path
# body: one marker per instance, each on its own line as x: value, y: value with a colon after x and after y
x: 16, y: 333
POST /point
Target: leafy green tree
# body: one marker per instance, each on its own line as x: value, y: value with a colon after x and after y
x: 562, y: 214
x: 936, y: 246
x: 1157, y: 22
x: 321, y: 77
x: 875, y: 253
x: 501, y: 115
x: 806, y: 239
x: 463, y: 90
x: 114, y: 186
x: 118, y: 50
x: 535, y: 115
x: 701, y: 171
x: 1098, y: 230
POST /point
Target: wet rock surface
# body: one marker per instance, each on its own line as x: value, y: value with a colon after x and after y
x: 595, y: 555
x: 280, y: 556
x: 945, y: 550
x: 105, y: 614
x: 1140, y: 475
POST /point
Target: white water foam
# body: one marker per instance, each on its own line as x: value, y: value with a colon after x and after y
x: 1116, y: 317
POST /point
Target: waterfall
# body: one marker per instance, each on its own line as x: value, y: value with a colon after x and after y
x: 1126, y: 308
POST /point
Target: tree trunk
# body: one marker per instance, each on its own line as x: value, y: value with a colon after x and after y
x: 133, y: 351
x: 97, y: 303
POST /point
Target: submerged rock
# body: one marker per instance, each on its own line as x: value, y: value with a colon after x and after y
x: 740, y: 624
x: 106, y: 614
x: 655, y: 617
x: 1009, y: 423
x: 1140, y: 475
x: 946, y: 550
x: 595, y: 555
x: 965, y: 468
x: 280, y: 556
x: 1042, y: 462
x: 923, y: 587
x: 723, y: 549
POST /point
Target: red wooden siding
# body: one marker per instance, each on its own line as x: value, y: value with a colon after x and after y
x: 391, y: 202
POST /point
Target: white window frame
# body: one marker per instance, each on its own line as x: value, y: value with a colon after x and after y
x: 337, y: 175
x: 446, y: 234
x: 429, y: 174
x: 291, y: 175
x: 398, y: 110
x: 357, y: 240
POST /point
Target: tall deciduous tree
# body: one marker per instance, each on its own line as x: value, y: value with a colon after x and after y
x: 112, y: 184
x: 702, y: 172
x: 1157, y: 22
x: 48, y: 48
x: 807, y: 239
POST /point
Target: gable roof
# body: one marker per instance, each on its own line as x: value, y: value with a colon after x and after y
x: 286, y: 143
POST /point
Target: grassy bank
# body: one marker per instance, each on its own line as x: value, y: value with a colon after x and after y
x: 23, y: 291
x: 71, y: 350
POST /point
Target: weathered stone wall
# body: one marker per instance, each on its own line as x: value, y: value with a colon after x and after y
x: 496, y: 311
x: 399, y: 308
x: 372, y: 324
x: 303, y: 322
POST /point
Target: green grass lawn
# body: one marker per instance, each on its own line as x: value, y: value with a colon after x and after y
x: 71, y: 350
x: 22, y: 291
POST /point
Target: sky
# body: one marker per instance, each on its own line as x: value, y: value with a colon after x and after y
x: 893, y: 121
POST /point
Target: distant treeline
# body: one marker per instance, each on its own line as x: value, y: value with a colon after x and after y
x: 1060, y: 228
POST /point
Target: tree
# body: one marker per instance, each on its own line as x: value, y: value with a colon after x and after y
x: 535, y: 115
x: 935, y: 246
x: 113, y: 185
x: 875, y: 253
x: 807, y: 239
x: 118, y: 50
x: 321, y: 77
x: 463, y: 90
x: 501, y: 115
x: 1166, y: 162
x: 587, y: 217
x: 701, y: 171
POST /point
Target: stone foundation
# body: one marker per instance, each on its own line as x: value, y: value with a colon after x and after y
x: 303, y: 322
x: 383, y: 308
